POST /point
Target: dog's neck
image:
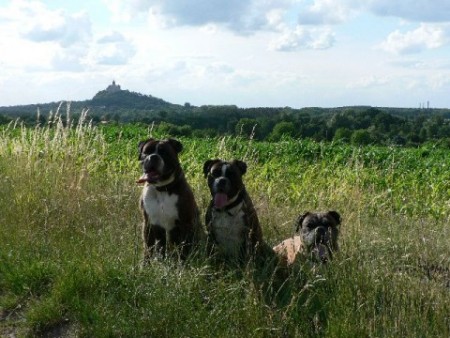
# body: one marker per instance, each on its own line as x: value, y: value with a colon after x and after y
x: 167, y: 183
x: 234, y: 201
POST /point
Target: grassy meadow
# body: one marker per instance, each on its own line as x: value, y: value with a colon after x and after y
x: 70, y: 240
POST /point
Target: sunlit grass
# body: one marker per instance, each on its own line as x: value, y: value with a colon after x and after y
x: 70, y: 239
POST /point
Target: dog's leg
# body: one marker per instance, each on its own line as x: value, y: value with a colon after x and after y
x: 154, y: 239
x: 159, y: 244
x: 147, y: 238
x: 180, y: 242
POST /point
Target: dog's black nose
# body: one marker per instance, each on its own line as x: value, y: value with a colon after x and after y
x: 151, y: 162
x: 221, y: 183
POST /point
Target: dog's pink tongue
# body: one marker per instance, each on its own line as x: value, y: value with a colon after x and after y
x: 150, y: 177
x: 220, y: 200
x: 142, y: 179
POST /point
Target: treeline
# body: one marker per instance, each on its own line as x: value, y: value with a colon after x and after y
x: 360, y: 126
x: 357, y: 125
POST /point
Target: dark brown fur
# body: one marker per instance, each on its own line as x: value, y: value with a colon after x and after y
x: 159, y: 232
x: 241, y: 216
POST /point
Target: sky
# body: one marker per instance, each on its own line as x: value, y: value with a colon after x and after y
x: 249, y: 53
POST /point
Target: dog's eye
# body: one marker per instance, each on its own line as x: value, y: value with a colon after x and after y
x: 310, y: 226
x: 326, y: 224
x: 162, y: 151
x: 216, y: 173
x: 143, y: 157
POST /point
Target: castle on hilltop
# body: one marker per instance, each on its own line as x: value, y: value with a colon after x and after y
x: 112, y: 88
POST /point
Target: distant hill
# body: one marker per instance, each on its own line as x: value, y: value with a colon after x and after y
x: 110, y: 100
x: 127, y: 99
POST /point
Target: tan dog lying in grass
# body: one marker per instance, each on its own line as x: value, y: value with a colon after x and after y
x: 317, y: 239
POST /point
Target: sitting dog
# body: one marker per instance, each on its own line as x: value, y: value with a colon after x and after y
x: 232, y: 225
x: 318, y: 238
x: 171, y: 217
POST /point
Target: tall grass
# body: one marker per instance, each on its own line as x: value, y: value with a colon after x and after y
x: 70, y: 243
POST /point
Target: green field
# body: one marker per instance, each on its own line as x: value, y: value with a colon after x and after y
x: 70, y: 240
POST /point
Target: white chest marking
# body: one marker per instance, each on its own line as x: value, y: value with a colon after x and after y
x: 229, y: 230
x: 161, y: 207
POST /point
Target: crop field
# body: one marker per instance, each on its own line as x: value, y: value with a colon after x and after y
x: 70, y: 243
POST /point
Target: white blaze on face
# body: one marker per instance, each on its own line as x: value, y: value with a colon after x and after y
x: 221, y: 198
x: 224, y: 170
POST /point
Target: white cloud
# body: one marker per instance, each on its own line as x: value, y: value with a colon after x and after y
x: 250, y: 16
x: 57, y: 26
x: 70, y: 59
x: 111, y: 38
x: 240, y: 16
x: 43, y: 38
x: 112, y: 49
x: 439, y: 81
x: 370, y: 81
x: 328, y: 12
x: 413, y: 10
x: 304, y: 38
x: 426, y: 36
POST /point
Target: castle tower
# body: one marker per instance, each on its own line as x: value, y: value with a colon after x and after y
x: 112, y: 88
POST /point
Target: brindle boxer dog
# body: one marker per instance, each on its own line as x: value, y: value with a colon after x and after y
x: 171, y: 218
x: 234, y: 232
x: 318, y: 238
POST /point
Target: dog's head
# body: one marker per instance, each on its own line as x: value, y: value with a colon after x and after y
x: 159, y: 159
x: 224, y: 180
x: 319, y: 232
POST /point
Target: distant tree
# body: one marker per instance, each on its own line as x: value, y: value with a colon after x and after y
x: 414, y: 138
x: 399, y: 140
x: 340, y: 120
x: 4, y: 119
x: 376, y: 136
x: 384, y: 122
x: 342, y: 134
x: 244, y: 126
x: 162, y: 114
x: 174, y: 130
x: 282, y: 129
x: 423, y: 134
x: 361, y: 137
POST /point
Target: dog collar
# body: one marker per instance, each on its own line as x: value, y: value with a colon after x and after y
x: 166, y: 184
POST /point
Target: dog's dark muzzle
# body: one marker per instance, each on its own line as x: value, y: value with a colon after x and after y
x: 317, y: 242
x: 151, y: 163
x: 315, y: 236
x: 152, y: 166
x: 321, y: 235
x: 221, y: 185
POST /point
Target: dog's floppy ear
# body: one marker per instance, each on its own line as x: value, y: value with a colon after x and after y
x: 175, y: 145
x: 336, y: 216
x: 242, y: 166
x: 299, y: 221
x: 207, y: 166
x: 141, y: 145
